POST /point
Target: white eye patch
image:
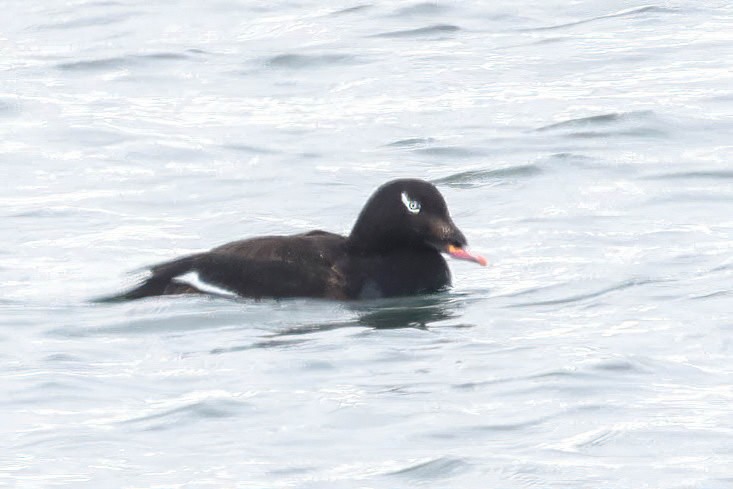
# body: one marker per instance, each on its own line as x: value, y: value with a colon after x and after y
x: 413, y: 206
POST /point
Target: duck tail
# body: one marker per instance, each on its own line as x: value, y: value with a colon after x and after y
x: 159, y: 283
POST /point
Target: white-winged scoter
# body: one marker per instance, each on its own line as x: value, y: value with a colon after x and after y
x: 394, y: 249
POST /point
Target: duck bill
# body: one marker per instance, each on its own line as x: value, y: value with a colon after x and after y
x: 463, y: 254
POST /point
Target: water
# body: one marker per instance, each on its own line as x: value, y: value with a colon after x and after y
x: 583, y: 147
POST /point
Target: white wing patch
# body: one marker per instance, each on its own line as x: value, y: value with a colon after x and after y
x: 193, y: 279
x: 413, y: 206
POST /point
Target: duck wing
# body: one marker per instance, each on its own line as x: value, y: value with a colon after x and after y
x: 303, y: 265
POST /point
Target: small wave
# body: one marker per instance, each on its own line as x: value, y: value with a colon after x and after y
x: 515, y: 426
x: 537, y: 42
x: 165, y: 56
x: 119, y: 62
x: 301, y: 61
x: 620, y: 366
x: 96, y: 137
x: 152, y: 324
x: 103, y: 4
x: 62, y: 358
x: 553, y: 374
x: 491, y: 430
x: 100, y: 20
x: 694, y: 175
x: 623, y: 13
x: 422, y: 31
x: 245, y: 148
x: 265, y: 345
x: 96, y: 64
x: 712, y: 295
x: 419, y: 9
x: 549, y: 40
x: 590, y: 295
x: 351, y: 10
x: 560, y: 160
x: 570, y: 157
x: 565, y: 378
x: 596, y: 438
x: 723, y: 267
x: 477, y: 178
x: 651, y: 133
x: 598, y: 120
x: 681, y: 198
x: 9, y: 107
x: 188, y: 414
x: 438, y: 468
x: 306, y: 329
x: 450, y: 151
x: 635, y: 124
x: 411, y: 142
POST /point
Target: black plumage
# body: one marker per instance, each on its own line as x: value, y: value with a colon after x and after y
x: 394, y: 249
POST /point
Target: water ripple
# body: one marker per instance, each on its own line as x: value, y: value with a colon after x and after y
x: 194, y: 412
x: 351, y: 10
x: 245, y: 148
x: 626, y: 284
x: 283, y: 344
x: 592, y: 156
x: 153, y: 324
x: 438, y: 468
x: 696, y: 175
x: 633, y: 12
x: 120, y: 62
x: 309, y: 61
x: 411, y: 142
x: 9, y: 107
x: 477, y: 178
x: 422, y: 9
x: 457, y: 152
x: 529, y: 424
x: 93, y: 21
x: 428, y: 31
x: 638, y: 123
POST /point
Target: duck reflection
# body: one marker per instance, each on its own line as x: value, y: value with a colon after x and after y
x: 407, y: 312
x: 412, y: 312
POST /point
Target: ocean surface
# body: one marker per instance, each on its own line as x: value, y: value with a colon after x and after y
x: 585, y: 148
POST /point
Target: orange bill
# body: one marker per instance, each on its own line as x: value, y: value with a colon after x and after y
x: 463, y: 254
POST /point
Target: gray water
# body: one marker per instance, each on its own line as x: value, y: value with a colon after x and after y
x: 583, y: 147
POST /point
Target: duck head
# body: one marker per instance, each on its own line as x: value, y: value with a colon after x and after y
x: 408, y: 214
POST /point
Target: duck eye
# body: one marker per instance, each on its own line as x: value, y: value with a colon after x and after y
x: 413, y: 206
